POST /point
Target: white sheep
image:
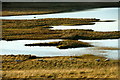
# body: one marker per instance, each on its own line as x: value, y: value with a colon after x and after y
x: 107, y: 59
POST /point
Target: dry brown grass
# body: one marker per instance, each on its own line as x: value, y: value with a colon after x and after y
x: 35, y: 30
x: 104, y: 72
x: 43, y: 8
x: 29, y: 12
x: 62, y: 67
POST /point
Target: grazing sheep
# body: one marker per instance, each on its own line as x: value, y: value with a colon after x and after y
x: 107, y: 59
x: 98, y: 60
x: 71, y: 58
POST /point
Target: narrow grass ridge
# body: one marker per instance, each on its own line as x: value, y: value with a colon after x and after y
x: 63, y: 44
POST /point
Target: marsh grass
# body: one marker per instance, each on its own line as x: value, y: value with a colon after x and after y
x: 47, y: 8
x: 35, y: 30
x: 83, y: 66
x: 63, y: 73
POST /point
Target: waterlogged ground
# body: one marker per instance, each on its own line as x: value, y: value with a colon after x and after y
x: 71, y: 65
x: 18, y: 47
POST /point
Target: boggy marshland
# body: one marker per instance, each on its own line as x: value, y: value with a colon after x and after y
x: 78, y: 48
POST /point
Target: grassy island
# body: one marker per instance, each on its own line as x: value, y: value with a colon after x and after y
x: 63, y: 44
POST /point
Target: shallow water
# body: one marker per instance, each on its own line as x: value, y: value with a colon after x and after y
x: 17, y: 47
x: 102, y: 13
x: 98, y: 26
